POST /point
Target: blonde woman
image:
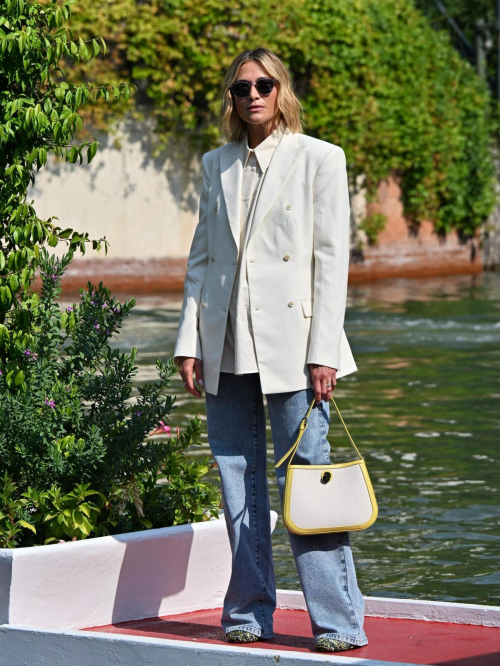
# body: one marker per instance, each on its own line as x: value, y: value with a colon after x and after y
x: 263, y: 314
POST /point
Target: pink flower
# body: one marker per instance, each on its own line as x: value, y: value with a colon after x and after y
x: 162, y: 428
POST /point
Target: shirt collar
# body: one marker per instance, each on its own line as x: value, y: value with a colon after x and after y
x: 264, y: 151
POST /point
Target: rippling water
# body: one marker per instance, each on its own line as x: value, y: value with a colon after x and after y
x: 424, y: 410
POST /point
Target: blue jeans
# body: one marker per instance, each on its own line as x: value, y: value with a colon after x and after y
x: 237, y: 435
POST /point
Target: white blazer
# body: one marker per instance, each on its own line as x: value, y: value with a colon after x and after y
x: 297, y: 260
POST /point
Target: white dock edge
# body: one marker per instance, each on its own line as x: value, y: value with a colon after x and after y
x: 29, y: 646
x: 411, y: 609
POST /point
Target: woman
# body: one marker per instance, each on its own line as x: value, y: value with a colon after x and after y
x: 263, y: 314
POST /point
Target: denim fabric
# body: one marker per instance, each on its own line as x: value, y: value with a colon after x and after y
x: 237, y: 435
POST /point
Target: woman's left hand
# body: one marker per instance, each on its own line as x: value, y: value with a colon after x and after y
x: 324, y: 380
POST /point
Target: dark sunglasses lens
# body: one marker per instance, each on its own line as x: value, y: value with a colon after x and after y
x: 241, y: 89
x: 265, y: 86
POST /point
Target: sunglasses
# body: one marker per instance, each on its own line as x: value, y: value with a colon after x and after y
x: 264, y: 86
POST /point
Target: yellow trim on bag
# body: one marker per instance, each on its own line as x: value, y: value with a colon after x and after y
x: 318, y: 530
x: 326, y: 466
x: 303, y: 427
x: 289, y: 474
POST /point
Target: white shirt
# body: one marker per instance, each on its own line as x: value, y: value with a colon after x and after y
x: 239, y: 355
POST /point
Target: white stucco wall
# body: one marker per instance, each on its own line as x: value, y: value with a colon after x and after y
x: 145, y: 206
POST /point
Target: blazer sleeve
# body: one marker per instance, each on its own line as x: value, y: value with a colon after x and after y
x: 188, y: 339
x: 331, y: 258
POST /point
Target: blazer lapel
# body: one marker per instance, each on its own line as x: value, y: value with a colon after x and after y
x: 279, y: 170
x: 231, y: 176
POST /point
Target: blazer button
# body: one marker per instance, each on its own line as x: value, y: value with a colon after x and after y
x: 212, y: 259
x: 288, y: 206
x: 290, y: 305
x: 286, y: 257
x: 203, y: 305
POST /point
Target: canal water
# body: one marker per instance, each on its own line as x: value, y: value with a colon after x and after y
x: 424, y: 410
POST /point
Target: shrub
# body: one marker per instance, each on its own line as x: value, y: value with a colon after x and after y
x: 77, y: 458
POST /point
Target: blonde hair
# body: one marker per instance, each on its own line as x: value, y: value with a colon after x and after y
x: 231, y: 126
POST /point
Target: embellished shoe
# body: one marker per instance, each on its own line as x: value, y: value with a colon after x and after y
x: 332, y: 645
x: 240, y: 636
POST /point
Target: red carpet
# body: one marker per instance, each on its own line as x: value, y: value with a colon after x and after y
x: 412, y: 641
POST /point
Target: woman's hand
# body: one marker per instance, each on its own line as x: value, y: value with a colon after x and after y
x: 186, y: 366
x: 324, y: 380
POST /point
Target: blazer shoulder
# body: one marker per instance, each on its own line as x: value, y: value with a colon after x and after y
x: 318, y: 148
x: 210, y: 155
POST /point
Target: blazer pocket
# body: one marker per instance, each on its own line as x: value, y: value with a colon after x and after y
x: 307, y: 307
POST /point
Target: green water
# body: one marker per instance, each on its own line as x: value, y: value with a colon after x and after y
x: 424, y: 410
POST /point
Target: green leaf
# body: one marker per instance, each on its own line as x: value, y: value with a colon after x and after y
x: 72, y: 155
x: 28, y: 526
x: 85, y: 527
x: 91, y: 151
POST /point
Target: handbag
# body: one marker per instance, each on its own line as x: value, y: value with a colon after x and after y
x: 327, y: 498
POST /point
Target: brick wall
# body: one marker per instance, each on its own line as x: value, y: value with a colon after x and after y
x: 405, y: 251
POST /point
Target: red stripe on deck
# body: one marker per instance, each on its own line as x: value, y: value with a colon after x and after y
x: 413, y: 641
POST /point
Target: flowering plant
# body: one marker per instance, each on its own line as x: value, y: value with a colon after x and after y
x: 74, y: 420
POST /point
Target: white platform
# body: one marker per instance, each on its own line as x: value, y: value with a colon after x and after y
x: 117, y: 578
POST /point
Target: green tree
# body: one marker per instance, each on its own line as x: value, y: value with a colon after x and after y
x: 465, y: 15
x: 39, y: 115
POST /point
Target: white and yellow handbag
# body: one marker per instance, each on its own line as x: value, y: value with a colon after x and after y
x: 327, y: 498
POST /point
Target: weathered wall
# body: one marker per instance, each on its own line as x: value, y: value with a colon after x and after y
x: 404, y: 250
x: 145, y: 206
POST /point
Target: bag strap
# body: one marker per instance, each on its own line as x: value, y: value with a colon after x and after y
x: 303, y: 425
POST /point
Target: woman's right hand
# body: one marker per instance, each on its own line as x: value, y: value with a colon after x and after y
x: 186, y: 366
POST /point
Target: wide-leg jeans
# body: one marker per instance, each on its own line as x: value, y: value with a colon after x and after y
x: 237, y: 436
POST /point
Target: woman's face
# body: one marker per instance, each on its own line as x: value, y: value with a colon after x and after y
x: 256, y: 109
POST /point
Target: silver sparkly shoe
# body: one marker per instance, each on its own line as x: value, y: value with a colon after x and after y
x: 332, y: 645
x: 240, y: 636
